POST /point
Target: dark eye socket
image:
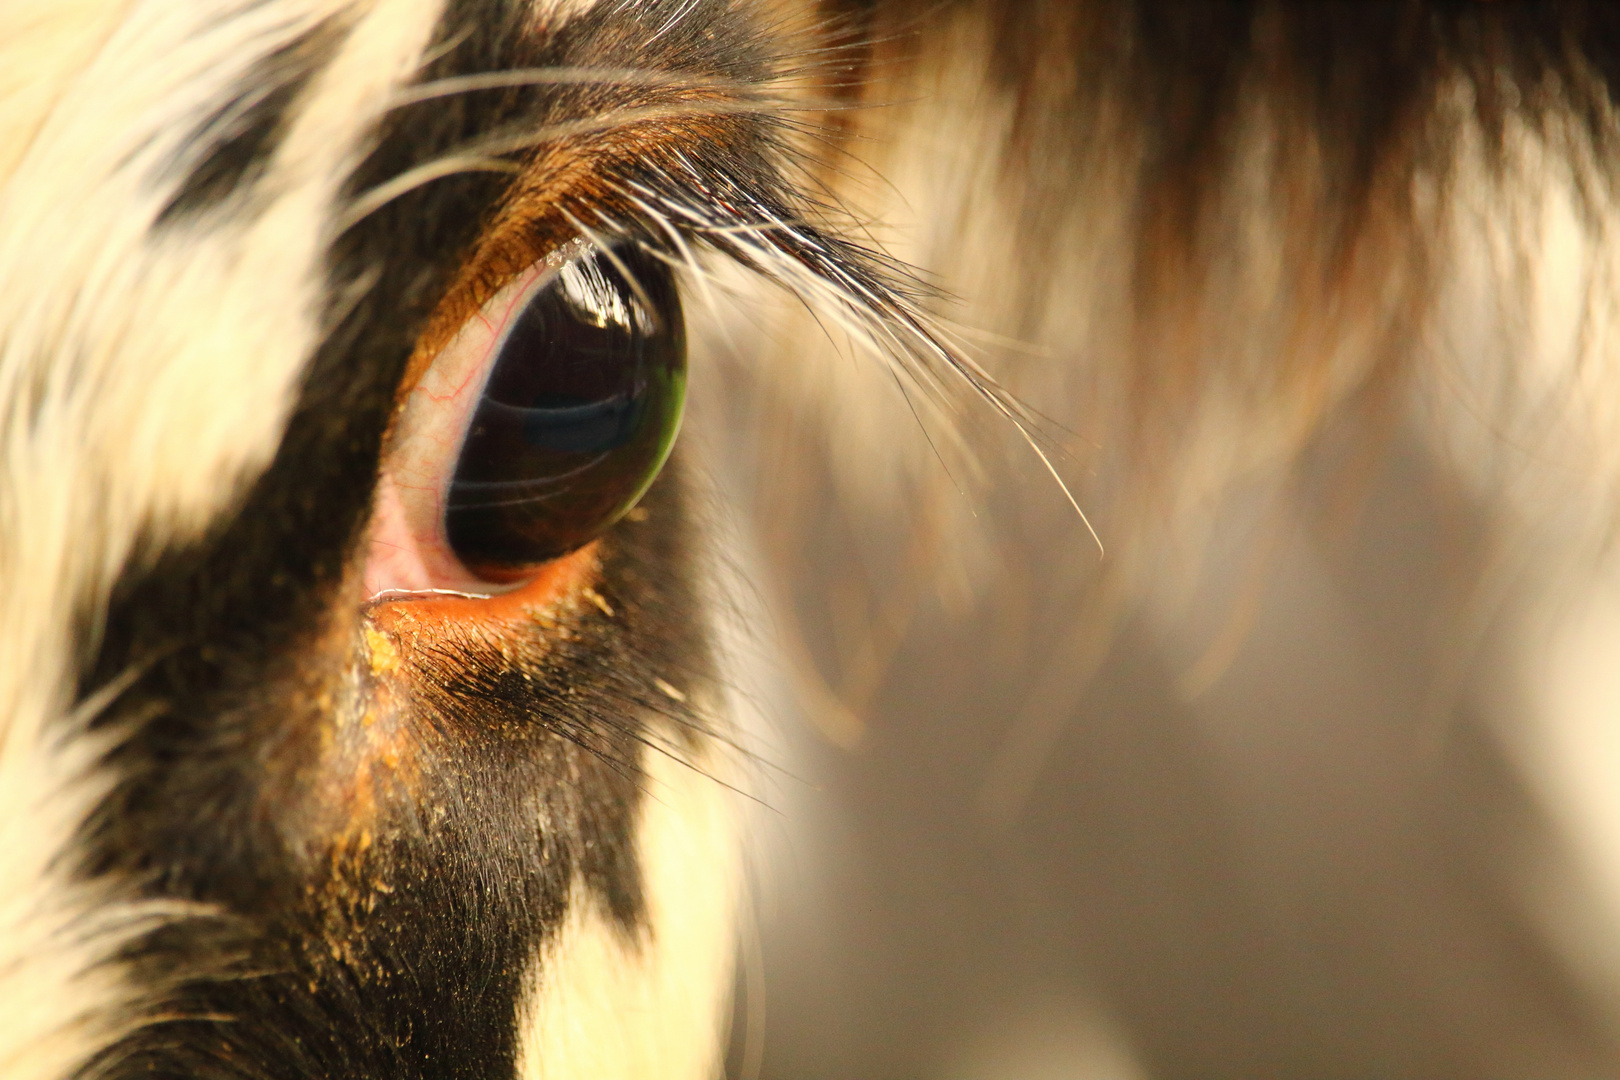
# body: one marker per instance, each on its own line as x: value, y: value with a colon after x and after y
x: 578, y: 415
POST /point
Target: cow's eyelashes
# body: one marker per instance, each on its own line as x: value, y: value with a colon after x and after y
x: 536, y: 428
x: 578, y: 414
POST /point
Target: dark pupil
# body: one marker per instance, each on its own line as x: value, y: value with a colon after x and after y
x: 577, y: 418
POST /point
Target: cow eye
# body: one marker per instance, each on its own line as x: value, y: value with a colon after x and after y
x: 539, y: 426
x: 577, y: 417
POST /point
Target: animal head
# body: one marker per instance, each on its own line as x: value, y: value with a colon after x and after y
x: 361, y: 717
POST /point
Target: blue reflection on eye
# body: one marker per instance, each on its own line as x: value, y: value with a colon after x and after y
x: 593, y: 427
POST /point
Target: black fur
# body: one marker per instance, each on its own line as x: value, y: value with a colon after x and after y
x: 242, y: 134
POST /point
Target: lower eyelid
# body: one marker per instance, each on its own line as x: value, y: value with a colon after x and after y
x: 394, y: 557
x: 558, y: 584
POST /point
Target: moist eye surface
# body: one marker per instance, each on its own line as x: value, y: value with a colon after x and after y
x: 578, y: 415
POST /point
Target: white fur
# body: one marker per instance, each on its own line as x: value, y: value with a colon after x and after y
x: 615, y: 1006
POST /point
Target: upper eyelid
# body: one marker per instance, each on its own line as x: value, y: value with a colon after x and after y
x: 470, y: 295
x: 547, y: 269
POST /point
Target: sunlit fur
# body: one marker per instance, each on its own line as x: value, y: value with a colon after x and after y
x: 1190, y: 307
x: 1193, y: 297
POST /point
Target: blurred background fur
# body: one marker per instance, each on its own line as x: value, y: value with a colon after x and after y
x: 1316, y: 773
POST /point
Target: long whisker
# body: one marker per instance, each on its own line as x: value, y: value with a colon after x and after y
x: 484, y: 155
x: 411, y: 179
x: 559, y: 76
